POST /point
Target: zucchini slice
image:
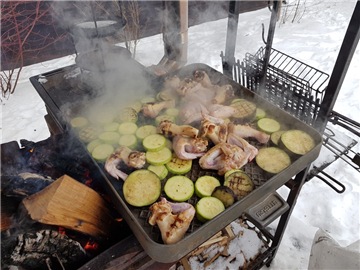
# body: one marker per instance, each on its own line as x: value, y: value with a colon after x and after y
x: 89, y: 133
x: 208, y: 207
x: 79, y: 122
x: 275, y: 137
x: 179, y: 188
x: 128, y: 140
x: 246, y: 110
x: 172, y: 112
x: 260, y: 113
x: 231, y: 171
x: 148, y: 99
x: 91, y: 145
x: 102, y: 151
x: 145, y: 131
x: 113, y: 126
x: 128, y: 114
x: 142, y: 188
x: 297, y: 141
x: 268, y: 125
x: 159, y: 170
x: 205, y: 185
x: 160, y: 157
x: 178, y: 166
x: 272, y: 159
x: 154, y: 142
x: 240, y: 183
x: 127, y: 128
x: 110, y: 137
x: 224, y: 194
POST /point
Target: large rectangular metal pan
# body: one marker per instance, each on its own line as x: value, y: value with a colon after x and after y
x: 137, y: 218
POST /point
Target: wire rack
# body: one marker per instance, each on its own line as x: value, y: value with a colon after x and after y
x: 290, y: 84
x: 299, y: 89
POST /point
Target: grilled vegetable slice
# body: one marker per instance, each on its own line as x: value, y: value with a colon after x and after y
x: 128, y: 114
x: 128, y: 140
x: 148, y: 100
x: 297, y: 141
x: 272, y: 159
x: 113, y: 126
x: 208, y: 207
x: 102, y: 151
x: 240, y: 183
x: 91, y: 145
x: 172, y: 112
x: 79, y: 122
x: 159, y: 170
x: 260, y: 113
x: 246, y: 110
x: 110, y: 137
x: 154, y: 142
x: 127, y: 128
x: 160, y: 157
x: 179, y: 188
x: 224, y: 194
x: 205, y: 185
x: 231, y: 171
x: 102, y: 117
x: 142, y: 188
x: 178, y: 166
x: 268, y: 125
x: 145, y: 131
x: 89, y: 133
x: 275, y: 136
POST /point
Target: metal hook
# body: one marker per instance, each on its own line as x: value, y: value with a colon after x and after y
x: 263, y: 33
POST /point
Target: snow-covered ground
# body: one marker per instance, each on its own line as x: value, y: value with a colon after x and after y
x: 315, y: 39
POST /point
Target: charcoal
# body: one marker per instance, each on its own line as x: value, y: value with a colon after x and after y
x: 24, y: 184
x: 43, y: 249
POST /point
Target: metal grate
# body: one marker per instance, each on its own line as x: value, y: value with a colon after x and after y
x: 290, y: 84
x: 299, y: 89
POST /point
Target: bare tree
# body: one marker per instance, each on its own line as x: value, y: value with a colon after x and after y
x: 293, y: 11
x: 21, y: 37
x: 130, y: 12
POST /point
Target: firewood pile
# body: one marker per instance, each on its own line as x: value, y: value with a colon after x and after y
x: 234, y: 247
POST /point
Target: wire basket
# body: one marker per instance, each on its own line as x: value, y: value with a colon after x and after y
x: 290, y: 84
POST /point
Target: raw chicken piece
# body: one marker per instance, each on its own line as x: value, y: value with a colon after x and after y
x: 224, y: 157
x: 215, y: 132
x: 251, y: 150
x: 221, y: 111
x: 191, y: 112
x: 202, y: 77
x: 245, y: 131
x: 130, y: 158
x: 153, y: 109
x: 169, y: 128
x: 222, y: 93
x: 189, y: 148
x: 173, y: 219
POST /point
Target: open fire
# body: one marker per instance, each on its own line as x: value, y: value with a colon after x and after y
x: 36, y: 232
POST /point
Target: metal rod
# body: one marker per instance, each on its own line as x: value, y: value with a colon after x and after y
x: 269, y: 42
x: 342, y: 63
x: 233, y: 20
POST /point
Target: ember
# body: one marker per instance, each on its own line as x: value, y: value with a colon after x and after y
x: 30, y: 171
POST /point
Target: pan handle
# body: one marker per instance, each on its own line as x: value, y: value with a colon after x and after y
x: 338, y: 186
x: 267, y: 210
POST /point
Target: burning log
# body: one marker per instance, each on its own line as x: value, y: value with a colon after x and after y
x: 44, y: 249
x: 70, y: 204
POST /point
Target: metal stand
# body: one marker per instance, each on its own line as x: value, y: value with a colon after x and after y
x: 322, y: 105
